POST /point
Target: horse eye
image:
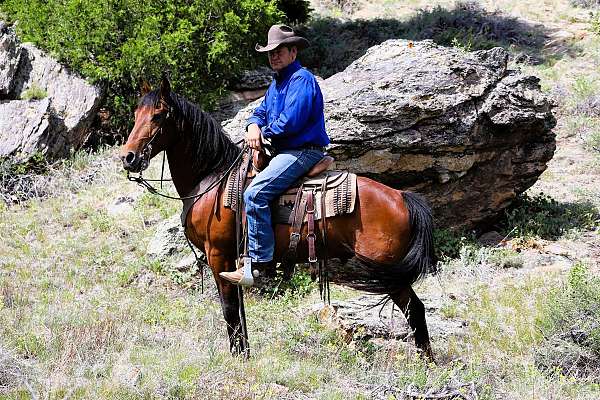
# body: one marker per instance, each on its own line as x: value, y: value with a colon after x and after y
x: 157, y: 117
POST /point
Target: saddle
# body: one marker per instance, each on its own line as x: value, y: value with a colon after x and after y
x: 318, y: 195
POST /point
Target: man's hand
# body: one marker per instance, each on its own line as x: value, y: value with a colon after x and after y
x: 253, y: 137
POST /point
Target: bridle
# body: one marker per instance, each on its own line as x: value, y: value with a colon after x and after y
x: 147, y: 149
x: 145, y: 161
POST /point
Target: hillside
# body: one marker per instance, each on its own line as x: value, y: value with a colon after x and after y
x: 85, y: 313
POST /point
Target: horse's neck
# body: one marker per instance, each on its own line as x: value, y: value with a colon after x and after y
x: 180, y: 160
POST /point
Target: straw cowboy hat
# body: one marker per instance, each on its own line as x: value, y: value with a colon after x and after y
x: 282, y: 34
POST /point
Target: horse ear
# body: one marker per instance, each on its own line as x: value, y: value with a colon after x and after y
x: 145, y: 87
x: 165, y: 86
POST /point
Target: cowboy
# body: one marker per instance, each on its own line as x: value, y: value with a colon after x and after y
x: 291, y: 118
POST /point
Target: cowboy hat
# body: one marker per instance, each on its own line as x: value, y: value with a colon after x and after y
x: 282, y: 34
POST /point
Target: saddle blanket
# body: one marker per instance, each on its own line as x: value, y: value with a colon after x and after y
x: 340, y: 195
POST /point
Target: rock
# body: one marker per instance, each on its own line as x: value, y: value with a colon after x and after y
x: 72, y: 102
x: 121, y: 206
x: 367, y: 317
x: 30, y: 119
x: 490, y: 239
x: 458, y: 127
x: 168, y: 239
x: 260, y: 78
x: 360, y: 318
x: 10, y: 55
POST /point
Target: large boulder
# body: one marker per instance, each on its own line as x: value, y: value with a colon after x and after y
x: 461, y: 128
x: 30, y: 119
x: 10, y: 55
x: 71, y: 108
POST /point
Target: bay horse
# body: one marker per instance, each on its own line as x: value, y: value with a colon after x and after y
x: 383, y: 246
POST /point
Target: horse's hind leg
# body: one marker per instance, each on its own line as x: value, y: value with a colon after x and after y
x: 414, y: 311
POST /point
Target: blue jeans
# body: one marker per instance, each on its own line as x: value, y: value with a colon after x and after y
x: 283, y: 170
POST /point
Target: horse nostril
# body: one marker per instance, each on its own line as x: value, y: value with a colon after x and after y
x: 130, y: 158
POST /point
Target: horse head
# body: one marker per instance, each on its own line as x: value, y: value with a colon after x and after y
x: 153, y: 119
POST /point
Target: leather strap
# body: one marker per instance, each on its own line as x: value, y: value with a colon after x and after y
x: 310, y: 236
x: 296, y: 218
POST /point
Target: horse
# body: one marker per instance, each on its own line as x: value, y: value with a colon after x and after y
x: 384, y: 246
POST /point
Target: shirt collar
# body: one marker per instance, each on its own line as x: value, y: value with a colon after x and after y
x: 287, y: 71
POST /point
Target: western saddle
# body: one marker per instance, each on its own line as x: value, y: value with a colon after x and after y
x: 319, y: 194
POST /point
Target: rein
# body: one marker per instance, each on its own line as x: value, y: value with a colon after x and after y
x: 145, y: 183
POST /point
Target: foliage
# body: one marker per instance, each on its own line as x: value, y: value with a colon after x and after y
x: 296, y: 11
x: 34, y: 93
x: 570, y: 321
x: 203, y: 43
x: 595, y: 22
x: 585, y: 3
x: 449, y: 244
x: 335, y: 43
x: 542, y: 216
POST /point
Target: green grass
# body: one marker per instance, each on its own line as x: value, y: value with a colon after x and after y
x: 86, y: 314
x: 34, y: 92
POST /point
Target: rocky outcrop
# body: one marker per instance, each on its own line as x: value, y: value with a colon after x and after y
x: 168, y: 239
x: 24, y: 126
x: 460, y: 128
x: 10, y: 54
x: 55, y: 121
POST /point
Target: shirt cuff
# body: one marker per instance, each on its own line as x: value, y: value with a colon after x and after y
x: 265, y: 132
x: 251, y: 121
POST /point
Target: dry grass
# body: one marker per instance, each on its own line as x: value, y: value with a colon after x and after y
x: 84, y: 313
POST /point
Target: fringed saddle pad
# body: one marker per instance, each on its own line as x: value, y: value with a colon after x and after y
x: 340, y: 195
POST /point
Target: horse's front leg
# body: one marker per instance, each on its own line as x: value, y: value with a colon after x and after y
x: 228, y: 293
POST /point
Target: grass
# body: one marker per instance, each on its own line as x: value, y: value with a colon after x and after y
x: 34, y: 92
x: 570, y: 327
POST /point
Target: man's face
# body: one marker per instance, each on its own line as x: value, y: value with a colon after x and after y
x: 281, y: 57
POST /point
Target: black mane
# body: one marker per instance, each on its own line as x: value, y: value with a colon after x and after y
x: 210, y: 147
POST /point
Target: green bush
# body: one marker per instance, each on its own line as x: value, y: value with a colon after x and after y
x: 296, y: 11
x: 570, y: 324
x: 202, y: 43
x: 34, y: 93
x: 542, y: 216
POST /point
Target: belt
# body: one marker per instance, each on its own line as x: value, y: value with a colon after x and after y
x: 309, y: 147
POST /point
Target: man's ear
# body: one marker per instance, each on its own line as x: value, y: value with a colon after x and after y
x: 144, y: 87
x: 165, y: 87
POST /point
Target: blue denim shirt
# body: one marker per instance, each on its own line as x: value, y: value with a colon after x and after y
x: 291, y: 113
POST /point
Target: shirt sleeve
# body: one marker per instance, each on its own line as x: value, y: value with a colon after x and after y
x: 297, y: 109
x: 259, y: 116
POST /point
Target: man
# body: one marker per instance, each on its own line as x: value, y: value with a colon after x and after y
x: 291, y: 117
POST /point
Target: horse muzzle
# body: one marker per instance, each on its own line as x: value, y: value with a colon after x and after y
x: 132, y: 162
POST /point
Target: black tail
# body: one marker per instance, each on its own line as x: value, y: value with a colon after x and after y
x: 420, y: 258
x: 364, y: 274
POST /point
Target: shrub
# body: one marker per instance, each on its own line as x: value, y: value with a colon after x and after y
x: 203, y: 43
x: 585, y: 3
x: 542, y: 216
x: 34, y: 93
x: 296, y: 11
x: 595, y: 23
x: 570, y: 323
x: 335, y: 43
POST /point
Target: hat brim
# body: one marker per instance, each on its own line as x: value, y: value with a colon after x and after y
x: 298, y: 41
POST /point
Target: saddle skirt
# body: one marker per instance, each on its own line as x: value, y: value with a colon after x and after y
x: 339, y: 195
